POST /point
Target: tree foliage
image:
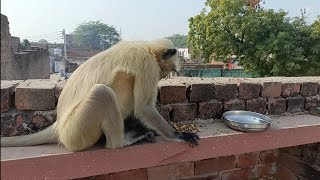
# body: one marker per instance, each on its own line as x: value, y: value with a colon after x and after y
x: 24, y: 45
x: 179, y: 40
x: 266, y: 42
x: 96, y: 35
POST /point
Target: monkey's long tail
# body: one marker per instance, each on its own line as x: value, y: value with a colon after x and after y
x: 46, y: 136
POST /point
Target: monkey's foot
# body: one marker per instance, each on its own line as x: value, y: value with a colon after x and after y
x: 189, y: 137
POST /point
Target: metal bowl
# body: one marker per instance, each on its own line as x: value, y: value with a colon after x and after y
x: 246, y: 121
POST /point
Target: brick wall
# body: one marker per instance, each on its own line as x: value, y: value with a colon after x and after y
x: 239, y: 167
x: 29, y: 106
x: 299, y: 162
x: 6, y: 52
x: 183, y: 99
x: 180, y: 99
x: 75, y: 53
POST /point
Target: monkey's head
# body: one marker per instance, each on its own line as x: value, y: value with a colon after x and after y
x: 166, y: 54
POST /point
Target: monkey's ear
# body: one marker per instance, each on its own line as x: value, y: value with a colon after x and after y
x: 168, y: 53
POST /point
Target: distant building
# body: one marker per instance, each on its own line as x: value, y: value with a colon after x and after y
x: 184, y: 53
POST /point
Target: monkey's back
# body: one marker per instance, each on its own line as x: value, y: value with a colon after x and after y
x: 129, y: 57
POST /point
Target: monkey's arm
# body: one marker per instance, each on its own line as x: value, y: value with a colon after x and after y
x: 145, y: 111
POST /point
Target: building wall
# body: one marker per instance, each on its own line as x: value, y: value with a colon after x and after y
x: 6, y: 52
x: 29, y: 64
x: 14, y: 41
x: 75, y: 53
x: 32, y: 64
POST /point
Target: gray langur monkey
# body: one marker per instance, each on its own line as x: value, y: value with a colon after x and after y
x: 105, y: 90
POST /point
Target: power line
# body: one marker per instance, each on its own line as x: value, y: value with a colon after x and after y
x: 47, y: 34
x: 56, y: 39
x: 47, y: 37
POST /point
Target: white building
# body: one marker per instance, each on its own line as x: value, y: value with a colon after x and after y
x: 184, y: 53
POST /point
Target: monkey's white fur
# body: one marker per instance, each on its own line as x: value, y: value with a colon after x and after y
x: 105, y: 90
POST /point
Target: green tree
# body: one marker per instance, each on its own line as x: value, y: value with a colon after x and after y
x: 179, y: 40
x: 96, y: 35
x: 266, y: 42
x: 24, y: 45
x: 43, y: 41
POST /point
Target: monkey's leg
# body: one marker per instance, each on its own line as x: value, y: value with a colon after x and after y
x: 97, y: 113
x: 131, y: 137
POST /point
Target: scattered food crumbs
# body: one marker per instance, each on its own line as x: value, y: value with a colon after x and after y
x: 185, y: 127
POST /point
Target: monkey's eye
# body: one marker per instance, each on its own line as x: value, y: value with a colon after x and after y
x: 168, y: 53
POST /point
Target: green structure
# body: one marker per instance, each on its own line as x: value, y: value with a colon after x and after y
x: 210, y: 73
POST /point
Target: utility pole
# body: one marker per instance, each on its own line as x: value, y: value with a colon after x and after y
x: 64, y: 43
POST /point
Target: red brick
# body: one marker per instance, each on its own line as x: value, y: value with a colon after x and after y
x: 295, y: 150
x: 138, y: 174
x: 271, y: 89
x: 268, y: 156
x: 214, y: 165
x: 290, y: 89
x: 39, y: 121
x: 90, y: 178
x: 164, y: 110
x: 239, y: 174
x: 35, y: 95
x: 295, y: 104
x: 291, y: 162
x: 211, y: 109
x: 258, y: 105
x: 226, y: 91
x: 201, y: 92
x: 247, y: 160
x: 6, y: 99
x: 58, y: 88
x: 184, y: 111
x: 285, y: 173
x: 13, y: 124
x: 234, y: 104
x: 277, y: 105
x: 173, y: 94
x: 311, y: 101
x: 184, y: 169
x: 309, y: 89
x: 298, y: 166
x: 17, y: 123
x: 7, y: 88
x: 162, y: 172
x: 171, y: 171
x: 249, y: 90
x: 267, y: 170
x: 202, y: 177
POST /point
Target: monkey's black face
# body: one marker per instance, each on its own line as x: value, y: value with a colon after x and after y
x: 168, y: 53
x: 169, y: 62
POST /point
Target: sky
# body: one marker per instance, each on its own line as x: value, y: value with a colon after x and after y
x: 137, y: 19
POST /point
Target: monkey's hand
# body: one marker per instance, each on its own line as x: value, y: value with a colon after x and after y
x: 189, y: 137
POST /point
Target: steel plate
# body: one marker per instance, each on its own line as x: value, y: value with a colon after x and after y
x: 246, y: 121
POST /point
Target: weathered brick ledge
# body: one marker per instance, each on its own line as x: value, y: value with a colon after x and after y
x: 29, y: 106
x: 221, y: 151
